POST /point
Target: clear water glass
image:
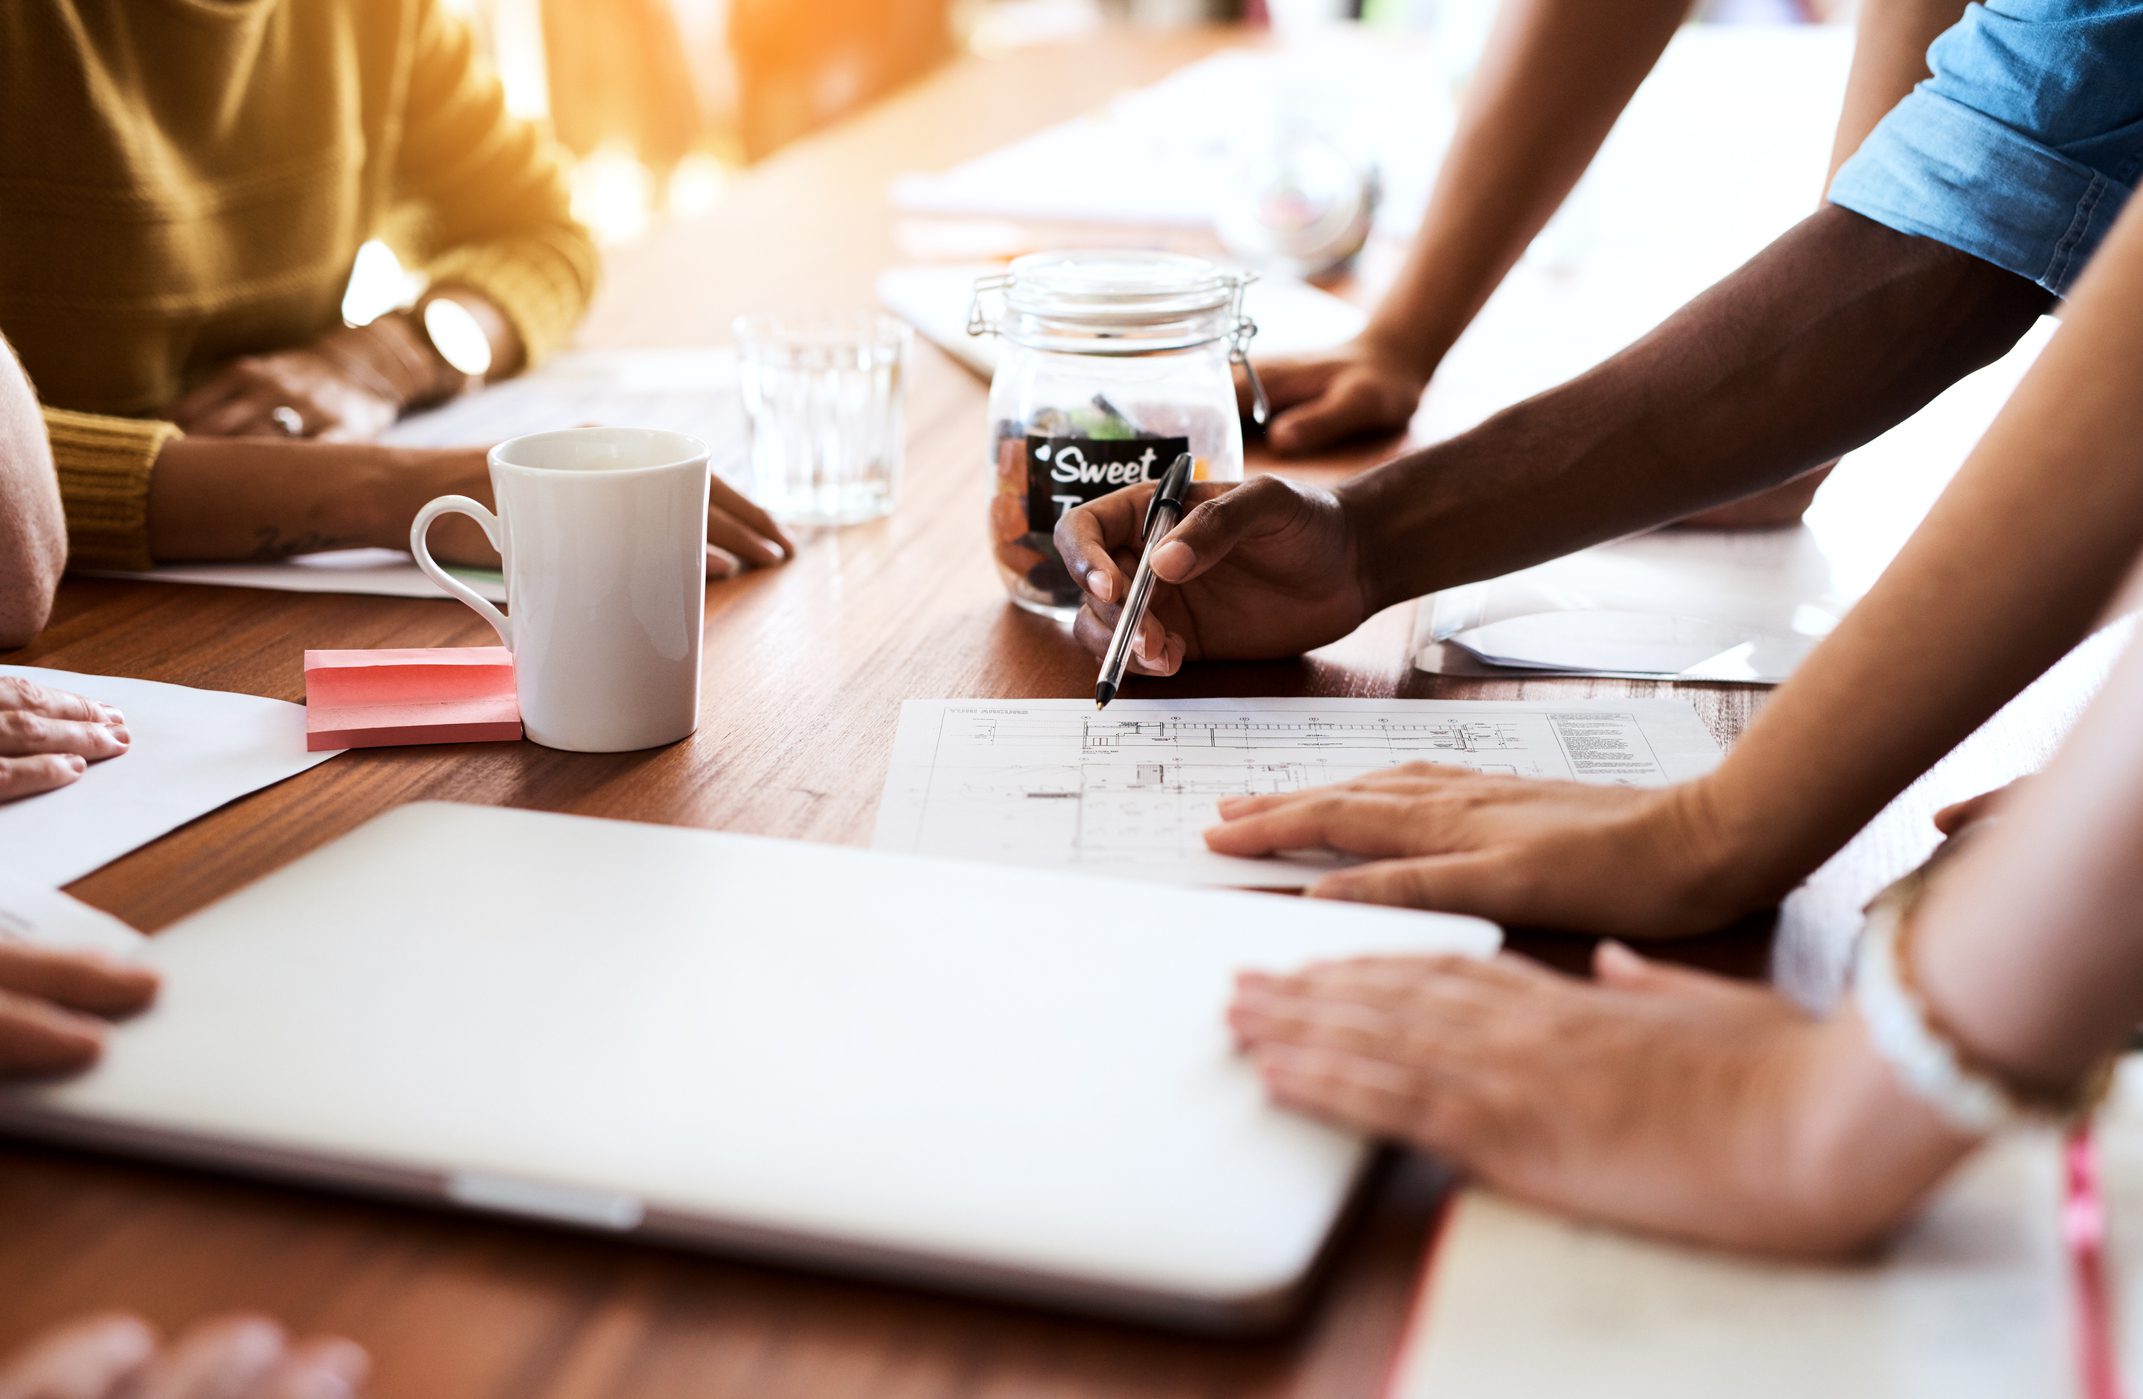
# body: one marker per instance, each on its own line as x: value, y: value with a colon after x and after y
x: 823, y: 398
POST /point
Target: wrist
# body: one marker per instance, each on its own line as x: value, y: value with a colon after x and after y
x: 389, y: 359
x: 422, y: 373
x: 1358, y: 509
x: 1411, y: 349
x: 401, y: 481
x: 1724, y: 862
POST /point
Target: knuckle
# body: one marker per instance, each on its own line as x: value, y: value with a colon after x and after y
x: 1455, y: 1122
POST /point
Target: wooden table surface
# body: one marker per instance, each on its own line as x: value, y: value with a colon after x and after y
x: 806, y: 668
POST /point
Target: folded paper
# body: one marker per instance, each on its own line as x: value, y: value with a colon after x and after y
x: 377, y: 699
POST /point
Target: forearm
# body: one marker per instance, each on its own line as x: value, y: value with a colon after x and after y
x: 1555, y: 77
x: 1889, y: 56
x: 2014, y: 565
x: 246, y: 498
x: 2026, y: 947
x: 1859, y: 1152
x: 1835, y: 332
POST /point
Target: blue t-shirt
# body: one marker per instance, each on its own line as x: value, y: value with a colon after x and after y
x: 2022, y: 146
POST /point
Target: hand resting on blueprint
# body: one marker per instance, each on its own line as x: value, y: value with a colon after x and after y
x: 48, y: 738
x: 238, y: 1357
x: 1639, y: 862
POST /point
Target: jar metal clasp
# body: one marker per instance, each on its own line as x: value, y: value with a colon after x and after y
x: 979, y: 320
x: 1239, y: 352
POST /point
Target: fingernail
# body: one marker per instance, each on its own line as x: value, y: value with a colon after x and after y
x: 1232, y: 804
x: 119, y: 731
x: 1173, y: 559
x: 111, y: 715
x: 77, y: 762
x: 1103, y: 586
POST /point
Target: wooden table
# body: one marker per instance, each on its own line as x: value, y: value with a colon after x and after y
x: 806, y: 669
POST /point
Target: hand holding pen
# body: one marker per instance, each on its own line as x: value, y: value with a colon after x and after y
x: 1161, y: 517
x: 1257, y: 571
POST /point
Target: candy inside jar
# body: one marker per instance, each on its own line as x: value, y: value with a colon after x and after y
x: 1113, y: 365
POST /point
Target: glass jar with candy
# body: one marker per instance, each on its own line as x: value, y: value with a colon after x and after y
x: 1110, y: 364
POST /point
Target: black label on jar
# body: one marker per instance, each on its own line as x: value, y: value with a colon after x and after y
x: 1066, y: 471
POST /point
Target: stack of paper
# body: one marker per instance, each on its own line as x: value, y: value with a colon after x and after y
x: 377, y: 699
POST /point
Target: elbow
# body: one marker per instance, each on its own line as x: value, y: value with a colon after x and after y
x: 33, y: 524
x: 29, y: 580
x: 22, y: 618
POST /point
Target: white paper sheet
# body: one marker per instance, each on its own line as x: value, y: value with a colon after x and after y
x: 32, y: 913
x: 1975, y: 1299
x: 1680, y: 604
x: 691, y: 390
x: 362, y: 572
x: 1293, y: 317
x: 1131, y: 790
x: 193, y: 751
x: 682, y: 390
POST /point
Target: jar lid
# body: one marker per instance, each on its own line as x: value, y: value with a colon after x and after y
x: 1117, y: 288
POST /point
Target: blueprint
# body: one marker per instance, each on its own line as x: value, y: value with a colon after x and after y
x: 1131, y: 790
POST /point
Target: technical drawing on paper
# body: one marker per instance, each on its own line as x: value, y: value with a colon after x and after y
x: 1132, y: 789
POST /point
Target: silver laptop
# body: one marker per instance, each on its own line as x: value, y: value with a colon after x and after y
x: 1003, y: 1080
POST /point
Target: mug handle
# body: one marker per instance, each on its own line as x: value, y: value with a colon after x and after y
x: 454, y: 587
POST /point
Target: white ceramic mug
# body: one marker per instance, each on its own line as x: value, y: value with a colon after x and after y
x: 604, y: 535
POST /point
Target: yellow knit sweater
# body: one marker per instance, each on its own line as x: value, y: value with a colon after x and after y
x: 183, y: 181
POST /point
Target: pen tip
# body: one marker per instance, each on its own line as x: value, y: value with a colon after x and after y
x: 1103, y: 693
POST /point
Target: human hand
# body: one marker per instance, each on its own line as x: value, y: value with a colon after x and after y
x: 55, y: 1004
x: 1642, y: 862
x: 1361, y: 389
x: 290, y: 393
x: 48, y: 738
x: 1265, y: 569
x: 240, y: 1357
x: 740, y: 535
x: 1660, y: 1098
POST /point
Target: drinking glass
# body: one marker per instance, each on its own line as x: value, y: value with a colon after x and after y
x: 823, y: 397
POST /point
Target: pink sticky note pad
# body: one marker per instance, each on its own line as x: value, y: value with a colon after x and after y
x: 376, y: 699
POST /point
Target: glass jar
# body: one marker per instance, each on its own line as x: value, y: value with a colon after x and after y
x: 1112, y: 363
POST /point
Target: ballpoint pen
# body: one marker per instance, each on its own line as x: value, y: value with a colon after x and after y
x: 1161, y: 517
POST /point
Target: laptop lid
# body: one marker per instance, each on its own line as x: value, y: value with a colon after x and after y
x: 1003, y: 1079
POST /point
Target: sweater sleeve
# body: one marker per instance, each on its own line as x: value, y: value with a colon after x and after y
x: 487, y: 191
x: 104, y: 465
